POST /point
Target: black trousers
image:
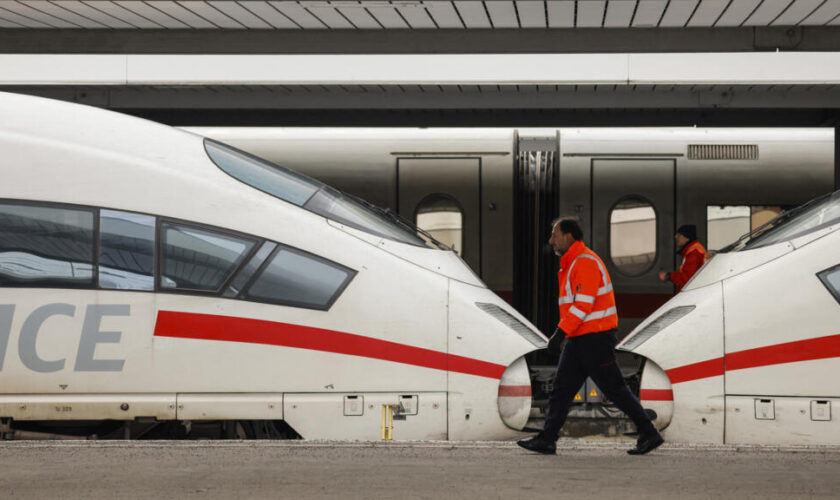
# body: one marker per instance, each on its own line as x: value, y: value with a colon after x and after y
x: 591, y: 355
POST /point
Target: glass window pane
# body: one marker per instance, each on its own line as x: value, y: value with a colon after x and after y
x: 297, y: 279
x: 126, y: 251
x: 197, y: 259
x: 260, y: 174
x: 831, y: 280
x: 45, y: 246
x: 441, y: 217
x: 725, y: 224
x: 633, y: 236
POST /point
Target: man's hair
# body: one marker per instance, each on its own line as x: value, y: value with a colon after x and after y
x: 569, y: 225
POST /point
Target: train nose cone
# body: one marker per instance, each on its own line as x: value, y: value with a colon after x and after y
x: 515, y: 395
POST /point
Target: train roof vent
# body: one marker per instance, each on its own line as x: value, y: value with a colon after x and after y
x: 516, y: 325
x: 723, y: 151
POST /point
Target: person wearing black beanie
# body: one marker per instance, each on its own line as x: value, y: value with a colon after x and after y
x: 693, y: 254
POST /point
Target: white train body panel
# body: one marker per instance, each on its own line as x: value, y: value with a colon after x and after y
x: 758, y: 358
x: 405, y: 325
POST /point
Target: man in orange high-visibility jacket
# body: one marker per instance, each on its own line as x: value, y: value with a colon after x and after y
x: 588, y: 320
x: 693, y: 254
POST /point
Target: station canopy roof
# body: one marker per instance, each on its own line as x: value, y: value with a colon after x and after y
x: 421, y: 55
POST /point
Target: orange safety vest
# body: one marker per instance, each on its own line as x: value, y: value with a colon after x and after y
x: 689, y: 265
x: 587, y: 302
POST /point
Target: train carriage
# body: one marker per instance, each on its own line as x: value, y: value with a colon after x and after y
x: 148, y: 274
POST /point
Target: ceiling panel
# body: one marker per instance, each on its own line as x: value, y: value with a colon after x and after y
x: 180, y: 13
x: 388, y: 17
x: 678, y: 13
x: 708, y: 12
x: 590, y: 13
x: 444, y: 14
x: 648, y: 13
x: 561, y: 14
x: 37, y: 15
x: 416, y: 17
x: 91, y: 12
x: 767, y: 12
x: 738, y: 12
x: 502, y: 14
x: 21, y: 20
x: 473, y: 14
x: 360, y: 17
x: 208, y: 12
x: 531, y: 14
x: 269, y: 14
x: 66, y: 15
x: 114, y: 10
x: 151, y: 13
x: 298, y: 14
x: 240, y: 14
x: 329, y: 16
x: 7, y: 24
x: 797, y: 12
x: 619, y: 13
x: 824, y: 14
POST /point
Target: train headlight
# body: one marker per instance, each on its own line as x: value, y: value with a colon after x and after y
x: 513, y: 323
x: 662, y: 322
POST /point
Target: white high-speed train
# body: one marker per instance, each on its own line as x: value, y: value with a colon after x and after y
x: 749, y: 351
x: 148, y: 275
x: 151, y: 275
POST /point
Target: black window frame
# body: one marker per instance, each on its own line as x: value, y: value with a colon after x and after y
x: 822, y: 275
x: 161, y: 221
x: 158, y: 258
x: 351, y: 273
x: 95, y: 247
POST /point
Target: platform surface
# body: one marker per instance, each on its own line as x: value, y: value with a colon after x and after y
x: 485, y: 470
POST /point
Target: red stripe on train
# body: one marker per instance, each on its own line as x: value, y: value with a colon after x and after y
x: 253, y: 331
x: 789, y: 352
x: 696, y: 371
x: 514, y: 391
x: 656, y: 395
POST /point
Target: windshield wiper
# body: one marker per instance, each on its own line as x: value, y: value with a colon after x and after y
x: 783, y: 216
x: 398, y: 219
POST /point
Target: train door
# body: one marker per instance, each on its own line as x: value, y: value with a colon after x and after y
x: 443, y: 196
x: 633, y: 229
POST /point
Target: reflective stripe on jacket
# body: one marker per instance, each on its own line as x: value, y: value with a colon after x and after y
x: 587, y: 302
x: 694, y: 256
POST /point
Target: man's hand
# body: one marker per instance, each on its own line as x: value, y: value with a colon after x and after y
x: 555, y: 343
x: 663, y: 276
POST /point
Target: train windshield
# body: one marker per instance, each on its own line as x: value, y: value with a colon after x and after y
x: 315, y: 196
x: 817, y: 214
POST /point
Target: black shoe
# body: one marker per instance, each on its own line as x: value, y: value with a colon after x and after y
x: 646, y: 444
x: 539, y: 445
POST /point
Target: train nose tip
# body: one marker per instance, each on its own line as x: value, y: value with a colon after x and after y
x: 515, y: 395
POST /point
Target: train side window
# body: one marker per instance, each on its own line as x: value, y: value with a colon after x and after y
x: 46, y: 246
x: 831, y: 279
x: 299, y: 279
x: 126, y: 250
x: 199, y: 259
x: 442, y: 217
x: 726, y: 223
x: 633, y: 236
